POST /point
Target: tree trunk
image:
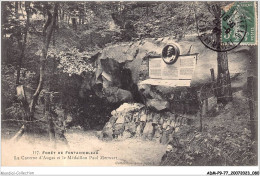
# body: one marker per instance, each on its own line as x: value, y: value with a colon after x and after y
x: 251, y: 87
x: 199, y: 112
x: 69, y: 19
x: 16, y: 9
x: 19, y: 38
x: 57, y: 22
x: 65, y: 16
x: 53, y: 37
x: 21, y: 96
x: 22, y: 45
x: 19, y: 63
x: 47, y: 33
x: 83, y: 17
x: 224, y: 92
x: 74, y: 23
x: 80, y: 17
x: 62, y: 15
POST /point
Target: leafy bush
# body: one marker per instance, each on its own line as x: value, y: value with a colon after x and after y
x: 205, y: 149
x: 225, y: 140
x: 73, y: 61
x: 12, y: 108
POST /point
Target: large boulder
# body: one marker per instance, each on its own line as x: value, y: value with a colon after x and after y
x: 122, y: 67
x: 158, y: 104
x: 134, y: 56
x: 124, y: 95
x: 175, y: 99
x: 115, y: 95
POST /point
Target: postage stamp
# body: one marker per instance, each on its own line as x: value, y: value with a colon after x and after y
x: 231, y: 32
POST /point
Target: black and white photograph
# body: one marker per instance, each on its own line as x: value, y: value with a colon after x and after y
x: 129, y: 83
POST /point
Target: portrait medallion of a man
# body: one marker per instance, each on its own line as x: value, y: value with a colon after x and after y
x: 170, y: 54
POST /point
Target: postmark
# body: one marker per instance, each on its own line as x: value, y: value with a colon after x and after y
x: 227, y: 26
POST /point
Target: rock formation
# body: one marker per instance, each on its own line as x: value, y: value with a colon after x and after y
x: 121, y: 68
x: 135, y: 120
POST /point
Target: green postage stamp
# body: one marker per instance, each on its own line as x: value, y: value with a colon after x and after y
x: 239, y: 21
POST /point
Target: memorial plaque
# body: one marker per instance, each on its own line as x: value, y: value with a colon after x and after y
x: 155, y: 68
x: 183, y: 68
x: 187, y: 66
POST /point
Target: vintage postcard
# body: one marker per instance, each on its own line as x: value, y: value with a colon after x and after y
x: 130, y: 83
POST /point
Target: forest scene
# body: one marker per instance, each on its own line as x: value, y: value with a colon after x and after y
x: 73, y: 79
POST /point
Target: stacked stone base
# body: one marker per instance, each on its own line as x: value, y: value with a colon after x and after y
x: 135, y: 120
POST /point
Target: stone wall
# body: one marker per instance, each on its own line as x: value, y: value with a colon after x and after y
x: 135, y: 120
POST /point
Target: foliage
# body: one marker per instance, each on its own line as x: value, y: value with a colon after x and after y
x: 224, y: 141
x: 205, y: 149
x: 73, y: 61
x: 8, y: 84
x: 14, y: 21
x: 13, y: 108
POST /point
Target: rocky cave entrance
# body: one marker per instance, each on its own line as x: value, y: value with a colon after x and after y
x: 98, y: 96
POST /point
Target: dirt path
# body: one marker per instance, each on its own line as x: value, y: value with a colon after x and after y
x: 109, y: 153
x: 130, y: 151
